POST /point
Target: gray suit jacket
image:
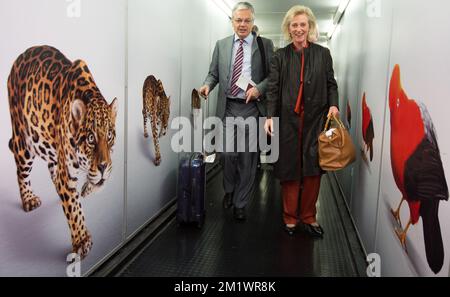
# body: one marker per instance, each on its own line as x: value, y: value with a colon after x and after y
x: 219, y: 71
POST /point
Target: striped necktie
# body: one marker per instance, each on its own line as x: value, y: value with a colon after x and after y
x: 237, y: 68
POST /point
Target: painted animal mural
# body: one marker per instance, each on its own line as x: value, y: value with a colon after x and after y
x: 367, y: 128
x: 349, y: 115
x: 59, y: 115
x: 156, y: 107
x: 417, y: 169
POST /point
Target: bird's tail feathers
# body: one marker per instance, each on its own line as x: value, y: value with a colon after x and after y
x: 371, y: 151
x: 434, y: 246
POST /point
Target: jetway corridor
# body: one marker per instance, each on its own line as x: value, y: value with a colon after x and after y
x: 258, y: 247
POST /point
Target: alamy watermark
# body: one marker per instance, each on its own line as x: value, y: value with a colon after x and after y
x: 74, y: 267
x: 373, y: 8
x: 73, y: 9
x: 234, y: 135
x: 374, y: 268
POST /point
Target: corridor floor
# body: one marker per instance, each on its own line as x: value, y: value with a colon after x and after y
x: 258, y: 247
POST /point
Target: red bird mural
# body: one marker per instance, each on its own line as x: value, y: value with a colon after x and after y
x: 417, y: 169
x: 367, y: 127
x: 349, y: 115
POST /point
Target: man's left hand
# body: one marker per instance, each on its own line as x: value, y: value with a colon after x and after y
x: 252, y: 94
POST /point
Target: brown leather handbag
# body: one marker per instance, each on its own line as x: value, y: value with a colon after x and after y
x: 336, y: 148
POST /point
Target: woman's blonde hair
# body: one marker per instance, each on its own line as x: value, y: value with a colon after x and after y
x: 295, y: 11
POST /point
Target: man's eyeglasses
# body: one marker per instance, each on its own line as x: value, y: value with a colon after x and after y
x: 245, y: 21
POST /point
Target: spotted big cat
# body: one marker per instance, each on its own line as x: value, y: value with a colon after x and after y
x: 156, y: 107
x: 59, y: 114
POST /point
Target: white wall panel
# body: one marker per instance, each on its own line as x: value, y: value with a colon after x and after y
x: 346, y: 51
x: 374, y: 63
x: 37, y: 243
x: 393, y: 33
x: 154, y: 48
x: 424, y: 76
x: 220, y: 27
x: 122, y: 42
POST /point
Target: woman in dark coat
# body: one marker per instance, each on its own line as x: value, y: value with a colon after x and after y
x: 302, y: 92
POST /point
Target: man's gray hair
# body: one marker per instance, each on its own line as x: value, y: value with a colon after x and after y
x: 243, y: 5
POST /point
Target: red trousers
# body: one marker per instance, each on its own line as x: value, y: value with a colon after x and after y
x: 307, y: 193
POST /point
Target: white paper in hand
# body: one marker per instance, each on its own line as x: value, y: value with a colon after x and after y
x: 244, y: 82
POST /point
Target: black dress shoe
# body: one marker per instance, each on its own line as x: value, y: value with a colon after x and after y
x: 239, y: 214
x: 314, y: 231
x: 290, y: 230
x: 227, y: 200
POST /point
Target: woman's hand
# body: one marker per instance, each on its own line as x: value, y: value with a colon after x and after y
x: 333, y: 111
x: 268, y: 127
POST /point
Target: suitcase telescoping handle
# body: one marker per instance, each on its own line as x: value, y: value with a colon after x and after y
x: 192, y: 176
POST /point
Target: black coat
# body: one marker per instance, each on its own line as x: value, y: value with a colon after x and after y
x: 319, y: 93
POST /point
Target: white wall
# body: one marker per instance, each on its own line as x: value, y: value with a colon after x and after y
x: 346, y: 51
x: 369, y: 58
x: 397, y: 35
x: 122, y: 42
x: 199, y: 39
x: 425, y: 79
x: 154, y: 48
x: 177, y: 53
x: 37, y: 243
x: 216, y: 32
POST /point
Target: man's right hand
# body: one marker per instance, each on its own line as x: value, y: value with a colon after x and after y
x: 204, y: 91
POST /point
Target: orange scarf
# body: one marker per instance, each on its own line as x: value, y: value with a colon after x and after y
x: 299, y: 105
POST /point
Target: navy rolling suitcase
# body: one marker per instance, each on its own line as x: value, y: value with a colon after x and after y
x: 191, y: 190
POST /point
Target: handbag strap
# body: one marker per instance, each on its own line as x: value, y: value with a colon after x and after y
x: 340, y: 124
x: 325, y: 128
x: 334, y: 118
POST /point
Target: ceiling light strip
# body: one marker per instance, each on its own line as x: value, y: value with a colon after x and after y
x: 224, y: 6
x: 338, y: 16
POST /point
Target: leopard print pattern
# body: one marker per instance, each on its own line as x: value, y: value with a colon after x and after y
x: 58, y: 113
x: 156, y: 106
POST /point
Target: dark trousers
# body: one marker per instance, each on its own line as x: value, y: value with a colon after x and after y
x: 239, y: 168
x: 239, y: 176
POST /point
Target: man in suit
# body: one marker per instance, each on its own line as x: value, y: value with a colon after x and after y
x: 234, y: 57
